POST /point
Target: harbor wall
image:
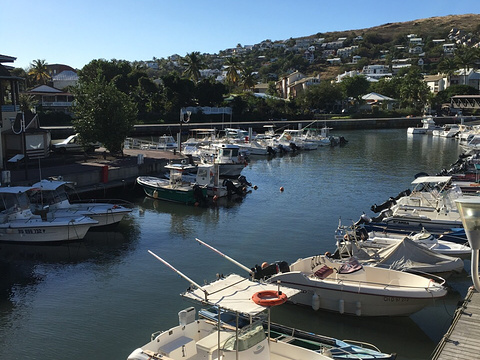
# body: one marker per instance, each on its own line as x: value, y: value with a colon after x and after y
x: 59, y: 132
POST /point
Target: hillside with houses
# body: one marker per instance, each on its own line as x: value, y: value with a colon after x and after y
x: 389, y: 70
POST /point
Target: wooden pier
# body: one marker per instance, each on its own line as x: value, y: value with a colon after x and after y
x: 462, y: 340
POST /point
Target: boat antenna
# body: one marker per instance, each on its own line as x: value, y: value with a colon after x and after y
x: 225, y: 256
x: 180, y: 273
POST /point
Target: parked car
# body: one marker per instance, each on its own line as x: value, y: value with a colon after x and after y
x: 73, y: 144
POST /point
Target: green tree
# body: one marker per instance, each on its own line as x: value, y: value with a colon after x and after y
x: 355, y: 86
x: 247, y: 78
x: 447, y: 66
x: 413, y: 90
x: 103, y: 113
x: 38, y: 72
x: 194, y: 64
x: 233, y: 69
x: 324, y: 97
x: 465, y: 57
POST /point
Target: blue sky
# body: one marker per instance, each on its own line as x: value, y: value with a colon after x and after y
x: 74, y: 32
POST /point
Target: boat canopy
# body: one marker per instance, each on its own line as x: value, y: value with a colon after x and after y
x: 431, y: 179
x: 234, y: 293
x: 50, y: 185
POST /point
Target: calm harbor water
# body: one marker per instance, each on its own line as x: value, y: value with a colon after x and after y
x: 103, y: 297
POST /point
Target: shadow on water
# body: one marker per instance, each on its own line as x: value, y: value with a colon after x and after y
x: 19, y: 262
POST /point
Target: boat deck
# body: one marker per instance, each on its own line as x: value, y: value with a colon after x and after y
x: 462, y: 339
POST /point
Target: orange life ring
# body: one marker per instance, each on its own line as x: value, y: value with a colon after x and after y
x: 269, y: 298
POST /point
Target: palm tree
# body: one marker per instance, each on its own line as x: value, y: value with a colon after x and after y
x: 233, y: 68
x: 448, y: 66
x: 247, y: 78
x: 194, y: 65
x: 465, y: 57
x: 39, y: 72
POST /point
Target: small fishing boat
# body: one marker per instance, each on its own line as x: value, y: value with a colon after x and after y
x: 424, y: 238
x: 349, y: 287
x: 337, y: 349
x: 246, y: 336
x: 197, y: 339
x: 52, y: 196
x: 398, y: 253
x: 175, y: 188
x: 19, y: 224
x: 428, y: 126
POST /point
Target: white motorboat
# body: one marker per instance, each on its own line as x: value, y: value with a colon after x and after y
x: 396, y: 252
x: 18, y: 224
x: 229, y: 158
x: 205, y: 339
x: 349, y: 287
x: 296, y: 139
x: 429, y: 206
x: 424, y: 238
x: 448, y: 131
x: 51, y: 195
x: 208, y: 177
x: 428, y: 126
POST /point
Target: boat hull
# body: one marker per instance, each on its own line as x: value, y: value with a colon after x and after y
x: 40, y: 231
x: 368, y: 291
x: 184, y: 195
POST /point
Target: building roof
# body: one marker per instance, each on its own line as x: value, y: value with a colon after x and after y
x: 66, y: 75
x: 376, y: 97
x: 46, y: 90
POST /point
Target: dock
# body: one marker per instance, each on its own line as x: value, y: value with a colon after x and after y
x: 96, y: 173
x: 462, y: 340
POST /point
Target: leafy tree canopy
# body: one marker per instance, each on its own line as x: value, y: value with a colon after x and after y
x: 103, y: 113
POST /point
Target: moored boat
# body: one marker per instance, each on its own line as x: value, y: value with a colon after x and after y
x: 52, y: 196
x: 175, y: 188
x: 19, y: 224
x: 349, y: 287
x: 197, y: 339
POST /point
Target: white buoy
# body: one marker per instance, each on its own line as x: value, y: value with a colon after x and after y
x: 315, y: 301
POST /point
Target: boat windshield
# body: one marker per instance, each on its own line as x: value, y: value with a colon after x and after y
x: 248, y: 337
x: 11, y: 201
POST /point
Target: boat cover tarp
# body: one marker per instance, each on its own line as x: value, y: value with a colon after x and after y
x: 407, y: 255
x: 234, y: 293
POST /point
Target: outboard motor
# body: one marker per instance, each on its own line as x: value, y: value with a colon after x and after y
x: 385, y: 205
x: 271, y: 151
x: 267, y: 270
x: 198, y: 195
x: 364, y: 219
x: 243, y: 181
x: 231, y: 188
x: 293, y: 147
x: 343, y: 141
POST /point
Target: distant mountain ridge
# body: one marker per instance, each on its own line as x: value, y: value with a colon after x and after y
x: 433, y: 26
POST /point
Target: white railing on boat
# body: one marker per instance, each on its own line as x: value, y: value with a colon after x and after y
x: 139, y: 144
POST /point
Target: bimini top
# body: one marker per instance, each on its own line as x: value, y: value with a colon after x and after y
x: 50, y: 185
x: 431, y: 179
x: 234, y: 293
x: 14, y: 189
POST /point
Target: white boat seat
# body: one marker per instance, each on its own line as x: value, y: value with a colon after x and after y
x: 180, y: 347
x: 210, y: 343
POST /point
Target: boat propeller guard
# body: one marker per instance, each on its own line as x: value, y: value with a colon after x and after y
x: 269, y: 298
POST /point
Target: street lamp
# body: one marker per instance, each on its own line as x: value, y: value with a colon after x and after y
x: 469, y: 208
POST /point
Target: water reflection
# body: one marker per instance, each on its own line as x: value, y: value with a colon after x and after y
x: 184, y: 219
x: 24, y: 265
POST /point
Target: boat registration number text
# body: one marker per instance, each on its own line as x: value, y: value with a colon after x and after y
x: 31, y: 231
x: 394, y: 299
